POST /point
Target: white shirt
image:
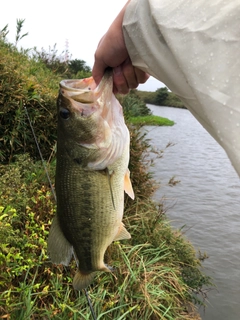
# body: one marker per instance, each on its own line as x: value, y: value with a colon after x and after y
x: 194, y: 48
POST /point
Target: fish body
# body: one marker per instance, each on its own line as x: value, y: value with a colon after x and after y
x: 91, y: 176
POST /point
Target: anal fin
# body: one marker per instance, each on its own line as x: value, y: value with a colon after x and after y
x: 122, y: 233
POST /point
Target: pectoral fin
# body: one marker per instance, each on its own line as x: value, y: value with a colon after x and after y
x: 122, y: 233
x: 128, y: 185
x: 110, y: 187
x: 59, y: 249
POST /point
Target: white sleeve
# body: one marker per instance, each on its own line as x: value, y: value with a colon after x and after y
x: 194, y: 48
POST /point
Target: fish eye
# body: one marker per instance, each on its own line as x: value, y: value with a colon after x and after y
x: 64, y: 113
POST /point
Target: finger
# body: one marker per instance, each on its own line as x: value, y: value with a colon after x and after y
x: 124, y: 77
x: 98, y: 71
x: 141, y: 76
x: 120, y: 83
x: 129, y: 73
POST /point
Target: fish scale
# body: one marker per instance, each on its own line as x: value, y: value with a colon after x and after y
x: 92, y: 213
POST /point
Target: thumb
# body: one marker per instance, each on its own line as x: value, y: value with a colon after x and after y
x: 98, y: 71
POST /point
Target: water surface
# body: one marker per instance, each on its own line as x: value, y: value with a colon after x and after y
x: 206, y: 201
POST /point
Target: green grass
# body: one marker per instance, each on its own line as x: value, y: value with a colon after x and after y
x: 151, y: 121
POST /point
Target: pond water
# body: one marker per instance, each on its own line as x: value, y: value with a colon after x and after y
x: 206, y: 202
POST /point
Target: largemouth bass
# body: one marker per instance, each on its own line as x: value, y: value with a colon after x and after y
x: 91, y: 176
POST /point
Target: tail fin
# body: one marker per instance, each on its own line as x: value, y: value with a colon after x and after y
x: 83, y: 280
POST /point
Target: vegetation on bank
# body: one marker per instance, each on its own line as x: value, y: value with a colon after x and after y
x: 161, y: 97
x: 151, y: 121
x: 138, y: 113
x: 157, y: 273
x: 30, y: 79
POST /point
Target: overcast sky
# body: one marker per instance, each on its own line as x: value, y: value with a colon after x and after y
x: 81, y: 23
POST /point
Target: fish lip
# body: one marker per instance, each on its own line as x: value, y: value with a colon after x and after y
x: 88, y: 94
x: 74, y: 87
x: 78, y: 84
x: 79, y: 90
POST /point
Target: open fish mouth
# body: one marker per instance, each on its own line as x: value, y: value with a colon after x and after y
x: 79, y: 90
x: 86, y: 90
x: 86, y: 98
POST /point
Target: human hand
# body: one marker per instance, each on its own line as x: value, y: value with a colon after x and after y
x: 112, y: 52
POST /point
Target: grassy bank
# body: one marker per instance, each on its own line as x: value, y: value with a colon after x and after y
x: 161, y: 97
x: 156, y: 273
x: 137, y: 112
x: 151, y: 121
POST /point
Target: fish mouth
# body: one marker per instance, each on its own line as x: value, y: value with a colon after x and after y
x: 78, y: 84
x: 86, y: 90
x: 79, y: 90
x: 84, y: 97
